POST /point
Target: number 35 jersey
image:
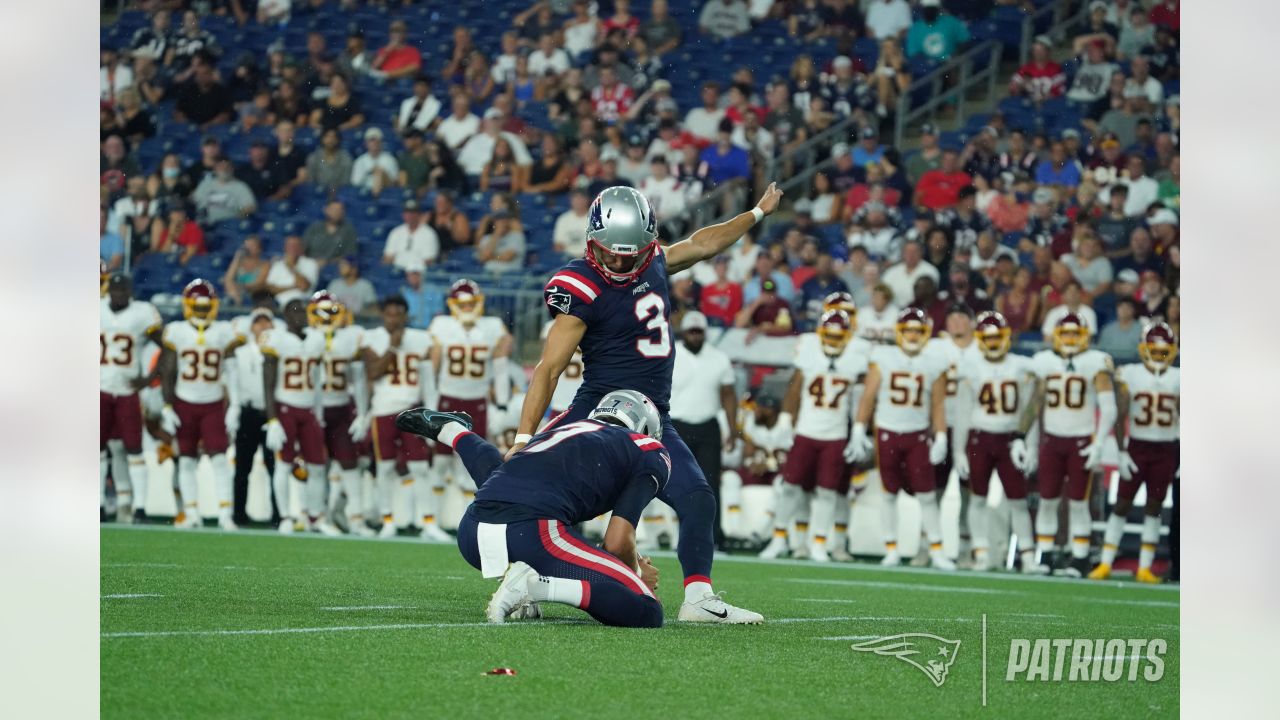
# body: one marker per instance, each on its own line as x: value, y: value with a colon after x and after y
x: 399, y: 389
x: 199, y: 355
x: 123, y: 334
x: 1154, y: 402
x: 299, y: 362
x: 627, y: 344
x: 903, y: 401
x: 827, y: 394
x: 466, y: 370
x: 1070, y: 400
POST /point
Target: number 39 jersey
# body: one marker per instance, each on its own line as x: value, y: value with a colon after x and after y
x: 399, y: 388
x: 199, y: 357
x: 999, y: 391
x: 903, y: 401
x: 123, y: 334
x: 826, y: 400
x: 627, y: 344
x: 1070, y: 400
x: 299, y: 361
x: 1154, y: 402
x: 466, y: 368
x: 341, y: 348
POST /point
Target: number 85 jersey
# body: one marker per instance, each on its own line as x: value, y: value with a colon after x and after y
x: 627, y: 344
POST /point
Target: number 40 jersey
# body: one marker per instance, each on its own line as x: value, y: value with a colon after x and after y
x: 627, y: 344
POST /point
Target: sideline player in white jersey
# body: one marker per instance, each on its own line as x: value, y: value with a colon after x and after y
x: 906, y: 388
x: 196, y: 382
x: 125, y: 325
x: 344, y: 400
x: 397, y: 360
x: 570, y: 380
x: 829, y: 368
x: 993, y: 391
x: 1150, y: 398
x: 765, y: 442
x: 291, y: 361
x: 471, y: 356
x: 1073, y: 385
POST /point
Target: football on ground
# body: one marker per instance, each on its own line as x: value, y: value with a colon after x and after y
x: 253, y: 624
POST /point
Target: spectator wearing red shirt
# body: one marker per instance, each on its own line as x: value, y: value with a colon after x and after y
x: 397, y: 59
x: 873, y: 189
x: 611, y: 99
x: 1041, y: 78
x: 622, y: 19
x: 1166, y: 14
x: 179, y: 234
x: 768, y: 314
x: 740, y: 105
x: 939, y: 189
x: 722, y: 299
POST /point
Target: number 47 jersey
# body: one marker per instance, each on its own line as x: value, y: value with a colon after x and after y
x: 627, y: 344
x: 826, y: 404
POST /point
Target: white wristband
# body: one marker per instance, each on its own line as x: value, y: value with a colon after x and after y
x: 523, y: 438
x: 758, y: 214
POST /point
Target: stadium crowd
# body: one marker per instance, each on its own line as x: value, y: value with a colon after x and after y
x: 276, y: 148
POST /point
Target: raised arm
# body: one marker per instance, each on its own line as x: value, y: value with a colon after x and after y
x: 715, y: 239
x: 565, y: 335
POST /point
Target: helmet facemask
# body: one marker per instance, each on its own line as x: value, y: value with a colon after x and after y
x: 994, y: 343
x: 466, y: 308
x: 911, y: 337
x: 1070, y: 340
x: 200, y: 311
x: 1157, y: 355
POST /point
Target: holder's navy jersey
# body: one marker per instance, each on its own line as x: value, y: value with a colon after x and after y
x: 576, y: 472
x: 627, y: 345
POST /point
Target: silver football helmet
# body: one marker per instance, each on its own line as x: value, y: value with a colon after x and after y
x: 622, y: 234
x: 631, y: 408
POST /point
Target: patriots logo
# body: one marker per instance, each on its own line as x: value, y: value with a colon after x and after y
x: 559, y: 300
x: 930, y: 654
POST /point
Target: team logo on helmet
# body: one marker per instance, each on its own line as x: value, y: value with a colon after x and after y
x: 1070, y: 335
x: 200, y: 302
x: 466, y: 301
x: 633, y: 409
x: 835, y: 330
x: 326, y: 311
x: 912, y: 330
x: 622, y: 236
x: 1158, y: 347
x: 840, y: 300
x: 993, y: 335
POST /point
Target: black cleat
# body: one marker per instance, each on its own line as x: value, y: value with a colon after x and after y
x: 428, y: 423
x: 1076, y: 568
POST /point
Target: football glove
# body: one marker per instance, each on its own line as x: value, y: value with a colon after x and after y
x: 169, y: 420
x: 1127, y: 465
x: 232, y: 420
x: 859, y: 447
x: 938, y: 449
x: 275, y: 435
x: 359, y: 427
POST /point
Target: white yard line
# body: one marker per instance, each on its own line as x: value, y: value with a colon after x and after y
x: 143, y: 565
x: 327, y: 629
x: 129, y: 596
x: 369, y: 607
x: 884, y: 585
x: 828, y: 600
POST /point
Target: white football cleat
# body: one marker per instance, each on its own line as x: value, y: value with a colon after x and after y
x: 713, y: 609
x: 818, y: 553
x: 324, y: 527
x: 981, y: 561
x: 891, y: 559
x: 431, y: 532
x: 776, y: 548
x: 190, y: 520
x: 840, y: 554
x: 801, y: 553
x: 511, y: 593
x: 359, y: 528
x: 938, y: 561
x: 286, y: 526
x: 225, y: 521
x: 124, y: 513
x: 388, y: 529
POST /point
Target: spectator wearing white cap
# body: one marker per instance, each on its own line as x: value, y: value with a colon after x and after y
x: 478, y: 150
x: 412, y: 244
x: 1164, y: 228
x: 376, y: 169
x: 888, y: 18
x: 702, y: 385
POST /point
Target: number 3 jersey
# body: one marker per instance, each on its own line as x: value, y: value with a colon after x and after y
x: 1154, y: 402
x: 466, y: 368
x: 627, y: 344
x: 903, y: 401
x: 123, y: 334
x: 827, y: 394
x: 999, y: 391
x: 1070, y: 401
x: 200, y: 355
x: 299, y: 361
x: 399, y: 388
x: 342, y: 346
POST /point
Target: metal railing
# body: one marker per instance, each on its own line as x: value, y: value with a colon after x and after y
x: 967, y: 77
x: 1063, y: 17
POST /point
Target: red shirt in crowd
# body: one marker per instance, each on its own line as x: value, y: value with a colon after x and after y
x: 612, y: 103
x: 722, y: 301
x: 735, y: 115
x: 631, y: 25
x: 190, y: 236
x: 938, y: 190
x: 1039, y: 82
x: 860, y: 193
x: 391, y: 59
x: 1166, y: 15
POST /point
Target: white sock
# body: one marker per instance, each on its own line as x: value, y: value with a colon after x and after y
x: 120, y: 471
x: 1020, y: 519
x: 1111, y: 538
x: 450, y: 432
x: 1047, y: 524
x: 423, y: 493
x: 840, y: 524
x: 786, y: 505
x: 188, y: 486
x: 556, y: 590
x: 223, y: 481
x: 388, y: 481
x: 317, y: 487
x: 138, y: 478
x: 931, y: 521
x: 889, y: 521
x: 978, y: 523
x: 801, y: 537
x: 1150, y: 538
x: 281, y: 484
x: 696, y: 590
x: 1080, y: 524
x: 352, y: 486
x: 824, y: 510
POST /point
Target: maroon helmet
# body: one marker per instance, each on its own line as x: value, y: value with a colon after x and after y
x: 912, y: 330
x: 200, y: 302
x: 835, y: 330
x: 1070, y: 335
x: 841, y: 300
x: 466, y: 300
x: 1158, y: 347
x: 993, y: 335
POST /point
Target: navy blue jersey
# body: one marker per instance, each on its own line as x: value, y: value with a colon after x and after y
x: 577, y: 472
x: 627, y: 345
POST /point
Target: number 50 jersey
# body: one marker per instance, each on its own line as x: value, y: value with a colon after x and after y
x: 627, y: 345
x: 1070, y: 400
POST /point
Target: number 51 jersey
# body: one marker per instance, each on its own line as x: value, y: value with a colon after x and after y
x: 627, y: 344
x: 903, y: 400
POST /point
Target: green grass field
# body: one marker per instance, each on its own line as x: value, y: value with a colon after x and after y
x: 251, y: 625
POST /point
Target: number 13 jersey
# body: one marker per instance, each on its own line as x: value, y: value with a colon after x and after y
x: 627, y: 344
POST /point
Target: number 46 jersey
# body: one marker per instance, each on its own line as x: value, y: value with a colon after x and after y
x: 826, y: 401
x: 627, y: 344
x: 1070, y: 400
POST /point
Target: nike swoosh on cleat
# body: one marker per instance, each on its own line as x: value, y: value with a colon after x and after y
x: 721, y: 615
